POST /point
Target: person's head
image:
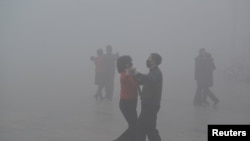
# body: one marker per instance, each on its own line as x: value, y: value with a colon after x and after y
x: 154, y: 60
x: 123, y: 63
x: 202, y: 52
x: 99, y: 52
x: 109, y: 49
x: 209, y: 55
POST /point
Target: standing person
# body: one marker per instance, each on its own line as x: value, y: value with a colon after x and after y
x: 128, y: 97
x: 100, y: 70
x: 150, y: 99
x: 110, y: 60
x: 204, y: 67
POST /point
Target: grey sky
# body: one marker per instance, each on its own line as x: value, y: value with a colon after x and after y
x: 61, y: 35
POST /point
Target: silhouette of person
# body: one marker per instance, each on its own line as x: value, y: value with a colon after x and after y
x: 150, y: 99
x: 204, y: 67
x: 128, y: 97
x: 100, y: 70
x: 110, y: 60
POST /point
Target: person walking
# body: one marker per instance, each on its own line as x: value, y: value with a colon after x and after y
x: 204, y: 67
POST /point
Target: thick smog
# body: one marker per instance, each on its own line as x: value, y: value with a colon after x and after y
x: 87, y: 70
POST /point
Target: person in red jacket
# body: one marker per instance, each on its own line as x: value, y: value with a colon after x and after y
x: 128, y: 97
x: 100, y: 73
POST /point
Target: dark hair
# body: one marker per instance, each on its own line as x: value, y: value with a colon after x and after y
x: 109, y: 48
x: 99, y: 51
x: 122, y: 62
x: 156, y: 58
x: 202, y: 50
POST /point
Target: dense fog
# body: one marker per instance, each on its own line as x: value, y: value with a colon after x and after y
x: 47, y: 78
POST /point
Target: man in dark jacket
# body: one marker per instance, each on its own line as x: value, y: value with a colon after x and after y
x: 204, y: 67
x: 110, y: 59
x: 150, y: 100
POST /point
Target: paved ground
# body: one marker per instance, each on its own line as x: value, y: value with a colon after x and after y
x: 47, y: 111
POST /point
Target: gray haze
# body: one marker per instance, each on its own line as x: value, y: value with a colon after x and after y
x: 47, y: 79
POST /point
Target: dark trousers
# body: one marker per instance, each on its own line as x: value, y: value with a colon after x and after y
x: 202, y: 93
x: 109, y: 88
x: 146, y: 125
x: 99, y: 92
x: 210, y: 94
x: 128, y: 109
x: 198, y: 98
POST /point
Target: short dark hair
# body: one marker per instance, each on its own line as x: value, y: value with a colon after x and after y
x: 156, y: 58
x: 99, y: 51
x: 122, y: 62
x: 202, y: 50
x: 109, y: 48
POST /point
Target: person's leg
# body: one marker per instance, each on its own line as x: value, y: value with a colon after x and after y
x: 198, y: 94
x: 107, y: 88
x: 211, y: 95
x: 141, y: 127
x: 132, y: 120
x: 204, y: 95
x: 128, y: 109
x: 124, y: 110
x: 99, y: 92
x: 152, y: 131
x: 111, y: 91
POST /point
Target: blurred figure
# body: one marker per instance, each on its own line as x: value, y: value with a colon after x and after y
x: 100, y: 70
x: 110, y: 60
x: 128, y: 97
x: 150, y: 99
x: 204, y: 67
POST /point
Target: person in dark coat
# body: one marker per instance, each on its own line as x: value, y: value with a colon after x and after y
x: 150, y: 99
x: 204, y: 67
x: 128, y: 97
x: 110, y: 61
x: 100, y: 70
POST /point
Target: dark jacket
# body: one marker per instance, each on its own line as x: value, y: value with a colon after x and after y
x: 204, y: 67
x: 152, y: 88
x: 110, y: 60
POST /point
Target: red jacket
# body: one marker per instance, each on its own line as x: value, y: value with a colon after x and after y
x: 128, y: 87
